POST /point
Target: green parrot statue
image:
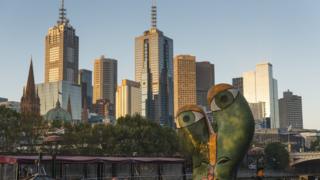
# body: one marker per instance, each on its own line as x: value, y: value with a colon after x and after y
x: 196, y: 131
x: 234, y: 126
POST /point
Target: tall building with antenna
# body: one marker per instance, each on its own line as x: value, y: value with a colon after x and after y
x: 153, y: 69
x: 61, y: 69
x: 62, y: 51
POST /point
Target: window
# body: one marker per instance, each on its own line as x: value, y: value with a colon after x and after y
x: 54, y: 54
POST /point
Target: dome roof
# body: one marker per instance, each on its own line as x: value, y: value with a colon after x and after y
x: 58, y: 114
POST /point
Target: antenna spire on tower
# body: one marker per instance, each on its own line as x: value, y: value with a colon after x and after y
x: 154, y: 14
x: 62, y: 14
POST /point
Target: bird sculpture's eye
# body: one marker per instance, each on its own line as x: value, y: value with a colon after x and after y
x: 188, y: 117
x: 223, y: 99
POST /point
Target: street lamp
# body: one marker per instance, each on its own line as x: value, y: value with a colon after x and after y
x: 53, y: 140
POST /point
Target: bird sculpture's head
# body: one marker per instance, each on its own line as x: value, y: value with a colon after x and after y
x: 195, y: 131
x: 234, y: 126
x: 193, y: 122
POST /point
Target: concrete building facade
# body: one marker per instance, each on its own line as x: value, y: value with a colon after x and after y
x: 128, y: 98
x: 184, y: 81
x: 105, y: 79
x: 237, y: 83
x: 290, y: 110
x: 205, y: 78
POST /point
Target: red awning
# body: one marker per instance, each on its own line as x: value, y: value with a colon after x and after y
x: 7, y: 160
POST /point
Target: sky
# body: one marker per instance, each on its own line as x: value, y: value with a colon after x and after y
x: 234, y: 35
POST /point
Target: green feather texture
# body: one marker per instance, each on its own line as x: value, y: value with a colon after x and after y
x: 235, y: 129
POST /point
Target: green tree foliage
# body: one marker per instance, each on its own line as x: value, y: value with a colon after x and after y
x: 20, y: 132
x: 32, y: 130
x: 315, y: 145
x: 276, y: 156
x: 9, y: 124
x: 130, y: 136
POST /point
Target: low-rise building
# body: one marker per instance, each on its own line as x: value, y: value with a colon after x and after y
x: 11, y: 105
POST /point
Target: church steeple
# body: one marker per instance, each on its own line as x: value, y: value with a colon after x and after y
x: 30, y: 101
x: 69, y: 108
x: 30, y: 88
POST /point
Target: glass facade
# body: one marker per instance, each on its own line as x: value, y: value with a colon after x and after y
x: 85, y: 81
x: 154, y: 70
x: 50, y: 92
x: 259, y: 86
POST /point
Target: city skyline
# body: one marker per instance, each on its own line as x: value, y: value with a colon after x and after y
x: 33, y: 43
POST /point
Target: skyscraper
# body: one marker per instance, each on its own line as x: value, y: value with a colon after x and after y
x: 153, y: 69
x: 290, y: 110
x: 128, y: 98
x: 259, y: 86
x: 237, y: 83
x: 105, y: 79
x: 62, y: 51
x: 85, y: 81
x: 205, y: 80
x: 30, y: 101
x: 184, y: 81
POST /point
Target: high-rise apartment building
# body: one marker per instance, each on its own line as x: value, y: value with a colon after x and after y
x: 259, y: 86
x: 62, y: 51
x: 85, y: 81
x: 128, y: 98
x: 30, y: 101
x: 290, y: 110
x: 205, y: 80
x: 105, y: 79
x: 184, y: 81
x: 153, y: 69
x: 237, y: 83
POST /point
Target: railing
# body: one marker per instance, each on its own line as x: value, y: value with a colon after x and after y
x: 163, y: 177
x: 296, y: 158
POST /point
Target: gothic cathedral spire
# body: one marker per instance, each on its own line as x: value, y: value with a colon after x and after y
x: 30, y: 101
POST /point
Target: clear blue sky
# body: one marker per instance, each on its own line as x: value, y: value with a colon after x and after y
x: 234, y: 35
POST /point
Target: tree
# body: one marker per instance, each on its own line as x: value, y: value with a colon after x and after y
x: 139, y: 136
x: 131, y: 135
x: 276, y: 156
x: 32, y: 131
x: 9, y: 129
x: 315, y: 145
